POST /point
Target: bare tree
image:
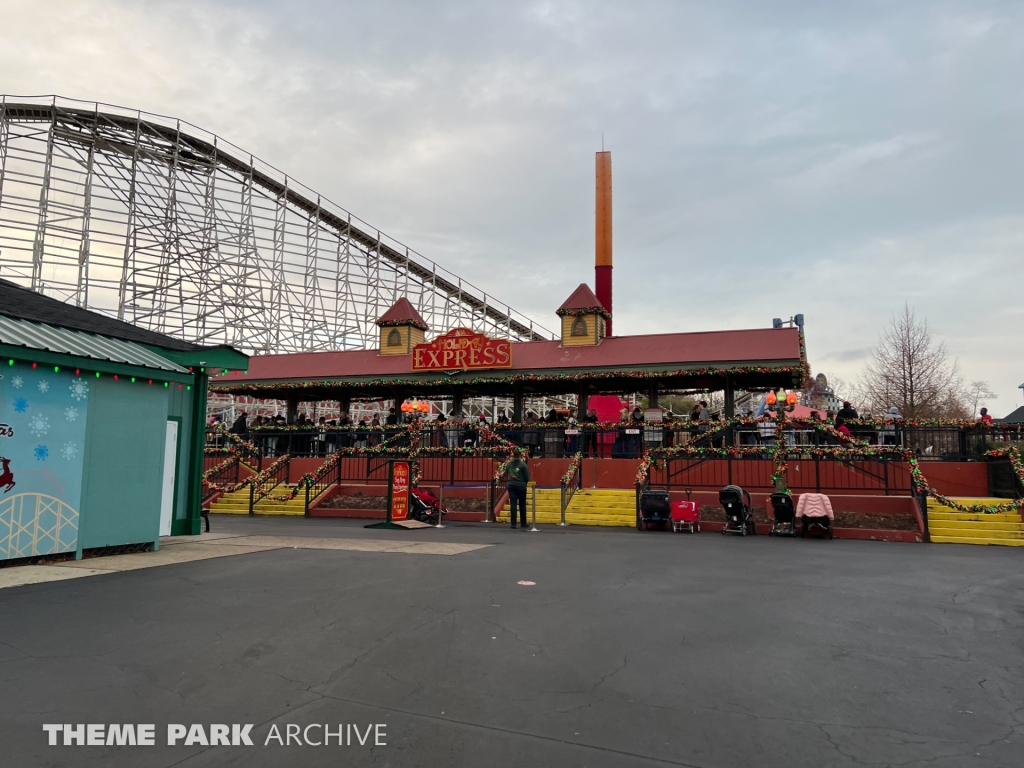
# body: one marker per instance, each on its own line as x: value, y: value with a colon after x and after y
x: 977, y: 392
x: 907, y: 370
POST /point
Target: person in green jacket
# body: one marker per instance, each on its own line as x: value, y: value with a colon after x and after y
x: 518, y: 477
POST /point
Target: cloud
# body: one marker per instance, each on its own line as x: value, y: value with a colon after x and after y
x: 826, y: 158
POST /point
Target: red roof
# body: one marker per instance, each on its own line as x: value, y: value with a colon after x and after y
x: 402, y: 311
x: 713, y: 349
x: 582, y: 298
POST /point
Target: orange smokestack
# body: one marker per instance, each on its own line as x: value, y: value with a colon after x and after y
x: 603, y: 234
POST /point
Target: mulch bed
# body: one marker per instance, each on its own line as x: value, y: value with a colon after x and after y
x: 716, y: 514
x: 465, y: 505
x: 354, y: 501
x: 358, y: 501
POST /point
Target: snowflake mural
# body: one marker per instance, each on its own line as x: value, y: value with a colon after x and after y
x: 39, y: 425
x: 69, y: 451
x: 20, y: 405
x: 71, y: 414
x: 44, y: 386
x: 41, y: 452
x: 17, y: 382
x: 79, y: 389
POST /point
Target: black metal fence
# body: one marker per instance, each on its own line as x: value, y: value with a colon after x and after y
x: 882, y: 475
x: 620, y: 441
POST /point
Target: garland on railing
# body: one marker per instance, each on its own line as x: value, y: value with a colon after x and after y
x: 272, y: 429
x: 233, y: 438
x: 260, y: 478
x: 573, y: 466
x: 954, y: 423
x: 219, y: 468
x: 850, y: 450
x: 921, y: 484
x: 209, y: 485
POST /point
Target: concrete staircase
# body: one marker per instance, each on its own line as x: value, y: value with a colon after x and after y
x: 237, y: 503
x: 597, y: 506
x: 947, y: 526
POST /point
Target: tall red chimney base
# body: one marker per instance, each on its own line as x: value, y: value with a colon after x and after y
x: 603, y: 290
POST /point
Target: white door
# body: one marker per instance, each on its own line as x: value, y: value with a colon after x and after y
x: 170, y: 461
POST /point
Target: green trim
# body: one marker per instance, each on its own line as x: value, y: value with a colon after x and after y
x: 191, y: 525
x: 208, y: 357
x: 91, y: 364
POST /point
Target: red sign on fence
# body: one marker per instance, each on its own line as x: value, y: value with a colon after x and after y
x: 462, y: 349
x: 400, y: 490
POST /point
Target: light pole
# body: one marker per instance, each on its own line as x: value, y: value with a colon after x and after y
x: 782, y: 404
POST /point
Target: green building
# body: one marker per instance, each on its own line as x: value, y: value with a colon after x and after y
x: 101, y: 428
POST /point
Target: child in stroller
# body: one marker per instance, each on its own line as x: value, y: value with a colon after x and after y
x: 425, y: 506
x: 738, y: 518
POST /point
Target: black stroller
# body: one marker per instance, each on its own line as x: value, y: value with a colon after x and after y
x: 655, y: 509
x: 738, y: 518
x: 784, y: 522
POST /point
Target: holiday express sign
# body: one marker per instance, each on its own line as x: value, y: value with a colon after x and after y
x: 462, y: 349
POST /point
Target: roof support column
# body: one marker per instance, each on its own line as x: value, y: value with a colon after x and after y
x: 582, y: 403
x: 457, y: 400
x: 517, y: 403
x: 652, y: 396
x: 293, y: 408
x: 730, y: 399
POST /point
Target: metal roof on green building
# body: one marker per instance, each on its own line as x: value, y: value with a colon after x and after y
x: 16, y: 332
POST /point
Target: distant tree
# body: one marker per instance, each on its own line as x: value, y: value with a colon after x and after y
x: 909, y: 371
x: 977, y: 393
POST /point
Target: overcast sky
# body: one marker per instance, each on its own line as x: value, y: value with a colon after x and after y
x: 834, y: 159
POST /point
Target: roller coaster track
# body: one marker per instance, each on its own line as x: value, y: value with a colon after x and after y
x: 176, y: 229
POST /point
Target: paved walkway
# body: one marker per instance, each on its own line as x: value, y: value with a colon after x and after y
x: 186, y: 549
x: 629, y: 649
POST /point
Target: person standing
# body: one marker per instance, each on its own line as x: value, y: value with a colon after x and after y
x: 847, y: 412
x: 518, y: 477
x: 985, y: 418
x: 589, y: 424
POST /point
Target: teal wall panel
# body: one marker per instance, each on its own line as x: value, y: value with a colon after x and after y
x: 179, y: 404
x: 124, y: 451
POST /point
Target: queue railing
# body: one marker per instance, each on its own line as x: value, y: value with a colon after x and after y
x: 266, y: 481
x: 225, y: 475
x: 964, y: 442
x: 572, y: 481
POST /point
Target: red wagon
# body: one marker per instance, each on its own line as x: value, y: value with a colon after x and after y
x: 685, y: 514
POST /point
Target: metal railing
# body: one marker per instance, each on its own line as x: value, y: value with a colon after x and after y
x: 571, y: 482
x: 611, y: 441
x: 266, y: 481
x: 887, y: 475
x: 226, y: 475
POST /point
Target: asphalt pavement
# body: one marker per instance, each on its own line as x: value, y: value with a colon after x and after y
x: 629, y: 649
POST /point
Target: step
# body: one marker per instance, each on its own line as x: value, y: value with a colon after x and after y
x: 976, y: 533
x: 1003, y: 518
x: 932, y: 501
x: 968, y: 540
x: 970, y: 525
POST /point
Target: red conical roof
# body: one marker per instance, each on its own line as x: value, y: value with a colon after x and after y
x: 582, y: 298
x: 402, y: 313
